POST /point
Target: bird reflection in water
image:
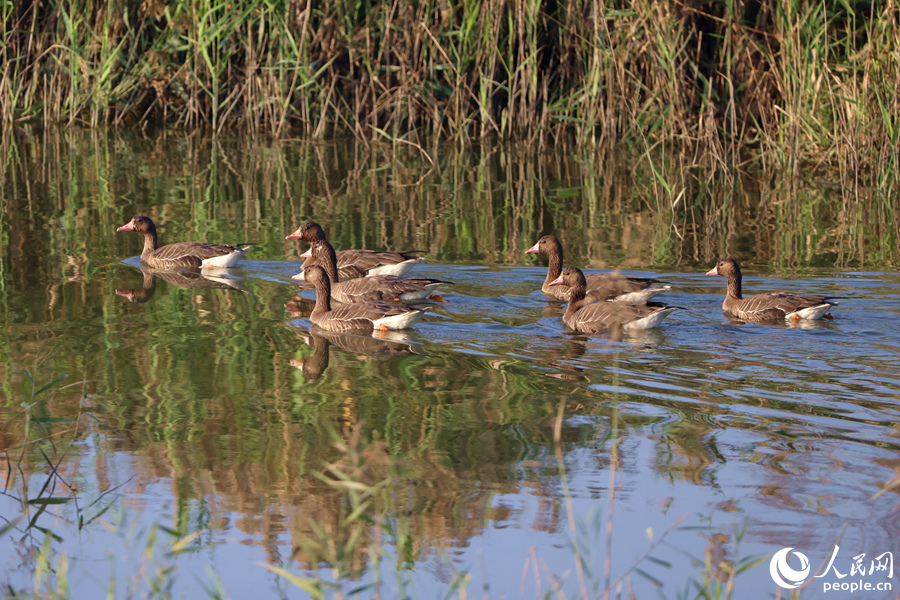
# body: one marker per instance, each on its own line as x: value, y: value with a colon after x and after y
x: 188, y: 279
x: 579, y: 350
x: 299, y: 307
x: 387, y: 345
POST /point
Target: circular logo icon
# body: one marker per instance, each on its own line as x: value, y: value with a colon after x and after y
x: 783, y: 574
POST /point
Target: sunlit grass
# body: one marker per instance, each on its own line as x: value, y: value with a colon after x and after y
x: 788, y: 82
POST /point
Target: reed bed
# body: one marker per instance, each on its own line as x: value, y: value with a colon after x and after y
x: 790, y: 81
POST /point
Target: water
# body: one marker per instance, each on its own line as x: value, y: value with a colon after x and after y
x: 499, y: 446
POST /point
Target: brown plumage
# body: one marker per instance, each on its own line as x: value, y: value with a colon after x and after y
x: 767, y: 307
x: 364, y: 316
x: 593, y: 317
x: 374, y: 288
x: 357, y: 263
x: 181, y: 255
x: 600, y: 286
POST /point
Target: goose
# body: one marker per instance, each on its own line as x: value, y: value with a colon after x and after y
x: 182, y: 255
x: 357, y: 263
x: 366, y: 316
x: 593, y: 317
x: 767, y: 307
x: 600, y: 286
x: 375, y: 287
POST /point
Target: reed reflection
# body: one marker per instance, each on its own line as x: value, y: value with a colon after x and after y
x: 195, y: 393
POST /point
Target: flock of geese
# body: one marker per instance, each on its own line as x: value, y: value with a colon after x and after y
x: 375, y: 293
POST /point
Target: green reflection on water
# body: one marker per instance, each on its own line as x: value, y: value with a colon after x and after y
x: 213, y: 389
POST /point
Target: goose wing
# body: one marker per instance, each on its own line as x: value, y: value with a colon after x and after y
x: 775, y: 305
x: 369, y: 259
x: 361, y: 315
x: 356, y: 263
x: 603, y: 316
x: 188, y: 254
x: 602, y: 286
x: 380, y: 287
x: 348, y: 271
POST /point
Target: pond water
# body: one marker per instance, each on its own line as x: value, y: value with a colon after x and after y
x: 486, y: 452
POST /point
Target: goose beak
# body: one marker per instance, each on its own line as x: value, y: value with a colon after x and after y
x: 299, y: 276
x: 307, y: 254
x: 293, y: 236
x: 533, y: 249
x: 129, y: 226
x: 557, y: 281
x: 713, y: 271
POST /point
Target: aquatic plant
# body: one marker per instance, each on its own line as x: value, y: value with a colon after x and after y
x: 789, y: 81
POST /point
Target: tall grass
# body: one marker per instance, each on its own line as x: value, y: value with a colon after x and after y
x: 805, y: 80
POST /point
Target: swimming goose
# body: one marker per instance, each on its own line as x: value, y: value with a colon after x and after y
x: 600, y: 286
x: 767, y: 307
x: 375, y: 287
x: 182, y: 255
x: 364, y: 316
x: 592, y: 317
x: 357, y: 263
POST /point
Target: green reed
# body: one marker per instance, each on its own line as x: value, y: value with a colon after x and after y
x: 792, y: 81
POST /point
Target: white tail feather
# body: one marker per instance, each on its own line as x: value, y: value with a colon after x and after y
x: 401, y: 321
x: 399, y: 269
x: 811, y: 312
x: 642, y: 296
x: 408, y: 296
x: 225, y: 261
x: 651, y: 320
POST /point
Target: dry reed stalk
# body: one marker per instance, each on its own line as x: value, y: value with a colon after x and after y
x: 789, y: 82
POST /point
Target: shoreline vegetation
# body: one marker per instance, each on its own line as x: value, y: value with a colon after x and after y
x: 472, y: 205
x: 797, y: 84
x: 353, y: 540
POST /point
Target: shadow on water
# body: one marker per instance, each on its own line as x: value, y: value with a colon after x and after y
x: 181, y: 278
x: 385, y: 345
x: 208, y: 403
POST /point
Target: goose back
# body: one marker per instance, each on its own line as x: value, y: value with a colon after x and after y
x: 583, y: 314
x: 386, y: 288
x: 357, y: 263
x: 774, y: 306
x: 599, y: 286
x: 605, y: 316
